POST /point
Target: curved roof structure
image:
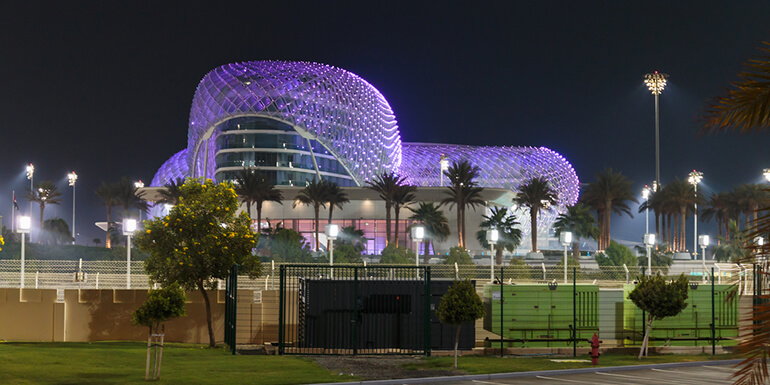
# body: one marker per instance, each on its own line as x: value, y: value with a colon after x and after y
x: 340, y: 110
x: 502, y: 167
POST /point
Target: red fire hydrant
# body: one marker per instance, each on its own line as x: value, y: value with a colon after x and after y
x: 595, y: 349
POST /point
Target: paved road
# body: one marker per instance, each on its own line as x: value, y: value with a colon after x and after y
x: 694, y: 375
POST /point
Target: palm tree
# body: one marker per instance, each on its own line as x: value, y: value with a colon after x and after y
x: 717, y: 207
x: 255, y: 188
x: 387, y: 185
x: 45, y: 193
x: 108, y: 193
x: 745, y: 109
x: 352, y: 236
x: 402, y: 198
x: 128, y: 197
x: 682, y: 196
x: 314, y: 194
x: 463, y: 193
x: 336, y: 197
x: 579, y: 221
x: 610, y: 193
x: 509, y: 235
x: 749, y: 198
x: 435, y: 222
x: 170, y: 193
x: 535, y: 194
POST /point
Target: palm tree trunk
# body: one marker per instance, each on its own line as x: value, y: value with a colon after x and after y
x: 259, y: 216
x: 316, y: 209
x: 600, y: 241
x: 498, y: 255
x: 42, y: 208
x: 397, y: 214
x: 533, y: 226
x: 460, y: 241
x: 387, y: 223
x: 608, y: 216
x: 682, y: 229
x: 464, y: 232
x: 108, y: 242
x: 657, y: 222
x: 426, y: 257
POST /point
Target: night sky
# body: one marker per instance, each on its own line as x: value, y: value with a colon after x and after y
x: 104, y: 88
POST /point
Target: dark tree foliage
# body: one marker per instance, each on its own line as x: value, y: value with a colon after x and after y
x: 459, y: 305
x: 394, y: 255
x: 660, y: 299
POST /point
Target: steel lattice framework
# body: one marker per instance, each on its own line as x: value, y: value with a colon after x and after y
x: 339, y: 109
x: 355, y: 123
x: 500, y: 167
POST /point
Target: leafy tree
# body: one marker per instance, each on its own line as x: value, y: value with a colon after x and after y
x: 435, y: 222
x: 459, y: 305
x: 343, y: 254
x: 349, y: 235
x: 458, y: 255
x: 659, y: 299
x: 388, y: 186
x: 580, y: 223
x: 463, y: 192
x: 97, y: 241
x: 55, y: 232
x: 282, y: 244
x: 199, y: 241
x: 108, y: 193
x: 45, y: 193
x: 394, y: 255
x: 609, y: 194
x: 535, y: 194
x: 161, y: 305
x: 254, y: 188
x: 616, y: 255
x: 314, y: 194
x: 508, y: 231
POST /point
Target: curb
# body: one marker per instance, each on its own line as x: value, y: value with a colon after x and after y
x: 491, y: 376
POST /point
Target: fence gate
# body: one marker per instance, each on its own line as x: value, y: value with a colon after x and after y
x: 231, y: 303
x: 354, y: 310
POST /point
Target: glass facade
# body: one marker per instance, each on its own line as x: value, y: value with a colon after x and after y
x: 277, y: 150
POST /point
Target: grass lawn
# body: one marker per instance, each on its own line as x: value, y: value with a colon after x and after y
x: 495, y: 364
x: 124, y: 363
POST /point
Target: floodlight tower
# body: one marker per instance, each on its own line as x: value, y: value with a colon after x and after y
x: 646, y: 192
x: 71, y: 179
x: 656, y: 82
x: 694, y: 178
x: 565, y: 238
x: 129, y: 227
x: 31, y: 177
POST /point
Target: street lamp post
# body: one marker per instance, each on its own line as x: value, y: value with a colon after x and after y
x: 23, y: 227
x: 493, y: 236
x: 694, y: 178
x: 703, y: 240
x: 649, y: 241
x: 565, y: 238
x: 656, y: 82
x: 444, y: 164
x: 646, y: 195
x: 139, y: 185
x: 332, y: 232
x: 72, y: 178
x: 31, y: 177
x: 129, y: 226
x: 418, y: 234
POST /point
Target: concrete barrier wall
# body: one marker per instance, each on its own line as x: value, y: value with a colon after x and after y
x: 99, y: 315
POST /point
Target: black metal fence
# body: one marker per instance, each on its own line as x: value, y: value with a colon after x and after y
x: 355, y: 310
x: 231, y: 308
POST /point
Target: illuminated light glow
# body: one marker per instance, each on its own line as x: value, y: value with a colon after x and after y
x: 500, y: 167
x: 328, y: 104
x: 694, y: 177
x: 655, y: 82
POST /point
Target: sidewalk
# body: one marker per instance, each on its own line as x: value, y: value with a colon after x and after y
x: 492, y: 376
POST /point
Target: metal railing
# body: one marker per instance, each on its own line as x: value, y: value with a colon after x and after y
x: 50, y: 274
